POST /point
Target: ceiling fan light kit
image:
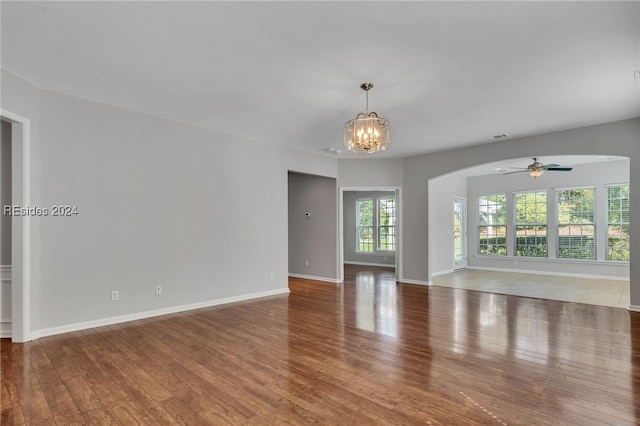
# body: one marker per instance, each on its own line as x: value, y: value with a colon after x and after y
x: 537, y: 169
x: 368, y: 132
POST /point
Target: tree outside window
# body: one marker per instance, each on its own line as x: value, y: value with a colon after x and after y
x: 618, y: 222
x: 364, y: 220
x: 531, y: 224
x: 576, y: 224
x: 387, y: 224
x: 492, y: 225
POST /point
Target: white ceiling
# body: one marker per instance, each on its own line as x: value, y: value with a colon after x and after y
x: 447, y: 74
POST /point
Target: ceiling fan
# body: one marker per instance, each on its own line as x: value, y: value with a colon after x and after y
x: 536, y: 168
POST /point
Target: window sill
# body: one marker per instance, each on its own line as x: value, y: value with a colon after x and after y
x: 549, y: 259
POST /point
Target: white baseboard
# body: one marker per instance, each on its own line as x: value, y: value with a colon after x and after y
x: 5, y: 287
x: 560, y: 274
x: 446, y: 271
x: 384, y: 265
x: 148, y: 314
x: 5, y: 329
x: 311, y: 277
x: 416, y: 282
x: 634, y: 308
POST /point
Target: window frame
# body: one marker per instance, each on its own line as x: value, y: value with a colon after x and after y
x: 570, y: 225
x: 379, y: 226
x: 619, y: 223
x: 501, y: 248
x: 536, y: 225
x: 359, y: 227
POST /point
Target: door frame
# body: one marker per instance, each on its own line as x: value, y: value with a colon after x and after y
x: 21, y: 243
x: 465, y: 227
x: 398, y: 254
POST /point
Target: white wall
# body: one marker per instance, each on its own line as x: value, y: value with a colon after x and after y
x: 371, y: 173
x: 442, y: 190
x: 199, y: 212
x: 597, y: 174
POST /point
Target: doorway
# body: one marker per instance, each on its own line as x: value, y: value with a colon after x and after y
x: 459, y: 233
x: 377, y: 242
x: 20, y: 288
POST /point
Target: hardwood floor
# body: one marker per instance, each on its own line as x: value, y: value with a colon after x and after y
x: 367, y: 352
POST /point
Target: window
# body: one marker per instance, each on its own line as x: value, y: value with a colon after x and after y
x: 387, y: 224
x: 364, y: 223
x: 618, y: 222
x: 531, y: 224
x: 492, y: 227
x: 576, y: 226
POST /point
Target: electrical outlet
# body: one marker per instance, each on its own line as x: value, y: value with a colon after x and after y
x: 158, y: 289
x: 306, y: 263
x: 115, y: 295
x: 272, y: 275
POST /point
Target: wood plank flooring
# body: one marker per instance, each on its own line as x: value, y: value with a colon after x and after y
x: 367, y: 352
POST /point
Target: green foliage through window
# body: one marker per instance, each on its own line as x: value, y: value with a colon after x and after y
x: 364, y: 210
x: 376, y: 225
x: 387, y: 224
x: 618, y: 222
x: 492, y: 226
x: 576, y: 224
x: 531, y: 224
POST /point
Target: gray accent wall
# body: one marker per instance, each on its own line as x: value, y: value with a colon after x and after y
x: 5, y: 192
x: 312, y: 225
x: 597, y: 175
x: 350, y: 230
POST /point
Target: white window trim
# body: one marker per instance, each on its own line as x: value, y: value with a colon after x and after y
x: 595, y: 220
x: 358, y: 226
x: 515, y: 223
x: 606, y: 187
x: 478, y: 225
x: 378, y: 226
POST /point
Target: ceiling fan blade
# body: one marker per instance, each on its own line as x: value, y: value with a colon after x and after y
x: 560, y: 169
x: 519, y: 171
x: 546, y: 166
x: 521, y: 168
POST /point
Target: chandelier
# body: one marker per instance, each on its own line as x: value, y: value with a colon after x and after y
x: 367, y: 132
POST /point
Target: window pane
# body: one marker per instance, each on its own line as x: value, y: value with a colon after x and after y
x: 365, y: 212
x: 364, y: 220
x: 365, y: 239
x: 492, y: 231
x: 618, y: 223
x: 492, y: 240
x: 531, y: 224
x: 576, y: 229
x: 386, y: 224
